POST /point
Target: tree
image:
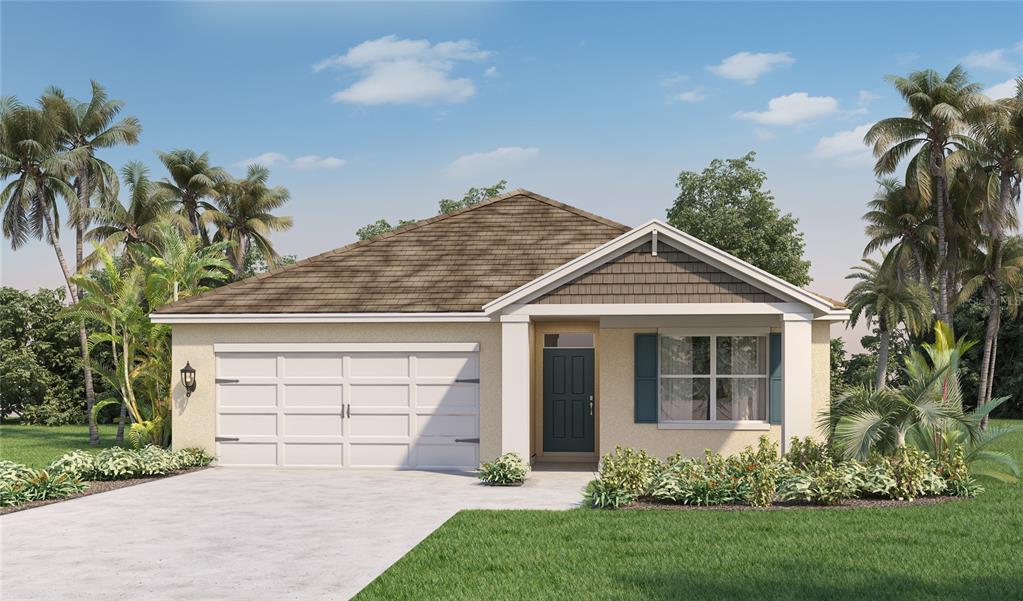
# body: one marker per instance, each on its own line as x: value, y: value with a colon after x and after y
x: 879, y: 296
x: 726, y: 205
x: 472, y: 197
x: 244, y: 217
x: 937, y: 123
x: 192, y: 180
x: 899, y: 222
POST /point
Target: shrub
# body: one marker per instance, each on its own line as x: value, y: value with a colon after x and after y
x: 955, y: 471
x: 154, y: 461
x: 186, y: 458
x: 22, y: 484
x: 821, y: 483
x: 117, y: 463
x: 914, y: 474
x: 806, y: 452
x: 624, y: 476
x: 749, y: 477
x: 605, y: 494
x: 875, y: 480
x: 508, y: 469
x: 760, y: 469
x: 79, y: 464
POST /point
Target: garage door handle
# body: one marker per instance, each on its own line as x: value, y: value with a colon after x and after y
x: 225, y: 381
x: 226, y: 439
x: 472, y: 440
x: 468, y: 381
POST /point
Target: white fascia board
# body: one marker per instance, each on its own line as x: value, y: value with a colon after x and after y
x: 610, y: 309
x: 346, y: 347
x: 627, y: 241
x: 183, y: 318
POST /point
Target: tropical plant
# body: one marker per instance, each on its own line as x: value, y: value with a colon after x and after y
x: 899, y: 222
x: 507, y: 470
x: 879, y: 296
x: 244, y: 217
x: 180, y: 266
x: 938, y: 121
x: 193, y: 180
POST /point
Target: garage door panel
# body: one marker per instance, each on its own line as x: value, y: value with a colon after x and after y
x: 298, y: 454
x: 463, y: 426
x: 248, y: 395
x: 240, y: 365
x: 447, y: 365
x: 380, y: 425
x: 453, y: 456
x: 379, y: 365
x: 444, y: 398
x: 313, y: 395
x: 379, y: 395
x: 312, y: 424
x: 248, y: 424
x: 247, y: 454
x: 316, y: 365
x: 380, y: 455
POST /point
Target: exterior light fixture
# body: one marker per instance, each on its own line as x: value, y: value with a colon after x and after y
x: 188, y: 379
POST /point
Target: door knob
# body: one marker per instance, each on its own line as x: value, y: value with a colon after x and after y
x: 591, y: 405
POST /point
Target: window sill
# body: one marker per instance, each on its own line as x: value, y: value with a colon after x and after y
x: 757, y: 426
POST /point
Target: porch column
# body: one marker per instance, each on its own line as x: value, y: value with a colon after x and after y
x: 515, y: 384
x: 797, y: 413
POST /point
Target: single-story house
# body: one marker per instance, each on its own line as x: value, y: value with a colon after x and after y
x: 519, y: 324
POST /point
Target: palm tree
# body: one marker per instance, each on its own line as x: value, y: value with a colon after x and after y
x: 879, y: 296
x: 180, y: 266
x: 937, y: 121
x: 244, y: 217
x: 994, y: 270
x: 31, y: 155
x: 897, y: 219
x: 131, y: 225
x: 192, y: 179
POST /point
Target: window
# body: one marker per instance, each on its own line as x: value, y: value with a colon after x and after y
x: 570, y: 340
x: 713, y: 378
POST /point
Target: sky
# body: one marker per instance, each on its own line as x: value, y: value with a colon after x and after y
x: 368, y: 111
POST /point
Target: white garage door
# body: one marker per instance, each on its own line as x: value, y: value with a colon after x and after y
x: 351, y: 405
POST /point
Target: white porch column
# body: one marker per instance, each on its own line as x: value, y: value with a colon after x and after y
x: 797, y: 413
x: 515, y: 382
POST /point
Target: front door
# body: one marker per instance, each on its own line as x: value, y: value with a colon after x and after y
x: 568, y: 402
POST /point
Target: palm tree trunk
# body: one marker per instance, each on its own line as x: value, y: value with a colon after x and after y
x: 994, y: 355
x: 84, y: 198
x: 940, y: 200
x: 882, y: 355
x: 990, y: 336
x: 924, y: 277
x: 83, y: 338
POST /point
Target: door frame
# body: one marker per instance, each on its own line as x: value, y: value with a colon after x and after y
x: 536, y: 440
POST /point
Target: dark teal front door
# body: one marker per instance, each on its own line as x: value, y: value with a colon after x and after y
x: 568, y: 400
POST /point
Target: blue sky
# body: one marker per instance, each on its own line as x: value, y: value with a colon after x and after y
x: 378, y: 110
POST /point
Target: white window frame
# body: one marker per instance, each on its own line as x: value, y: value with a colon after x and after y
x: 713, y: 423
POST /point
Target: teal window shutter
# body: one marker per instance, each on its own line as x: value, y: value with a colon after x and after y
x: 776, y: 392
x: 646, y: 379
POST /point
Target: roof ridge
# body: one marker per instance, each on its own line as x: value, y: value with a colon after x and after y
x: 392, y: 233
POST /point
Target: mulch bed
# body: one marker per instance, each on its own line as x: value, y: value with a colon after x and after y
x: 783, y: 506
x: 95, y: 487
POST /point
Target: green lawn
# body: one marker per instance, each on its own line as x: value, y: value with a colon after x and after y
x: 962, y: 550
x: 37, y: 446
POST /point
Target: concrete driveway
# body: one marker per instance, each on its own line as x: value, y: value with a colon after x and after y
x: 245, y: 534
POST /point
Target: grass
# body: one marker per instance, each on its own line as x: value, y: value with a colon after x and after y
x: 967, y: 549
x: 37, y: 446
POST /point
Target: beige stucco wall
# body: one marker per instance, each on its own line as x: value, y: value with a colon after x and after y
x: 820, y: 357
x: 616, y: 410
x: 194, y: 417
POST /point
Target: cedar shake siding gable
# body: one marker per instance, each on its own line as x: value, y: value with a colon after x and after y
x: 672, y: 276
x: 450, y: 263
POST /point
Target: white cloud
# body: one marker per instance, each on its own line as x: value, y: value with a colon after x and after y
x: 1000, y: 59
x: 309, y: 161
x: 792, y: 109
x: 748, y: 66
x: 865, y: 97
x: 694, y: 95
x: 763, y: 134
x: 845, y: 147
x: 1006, y: 89
x: 490, y: 163
x: 491, y: 72
x: 267, y: 159
x: 398, y: 71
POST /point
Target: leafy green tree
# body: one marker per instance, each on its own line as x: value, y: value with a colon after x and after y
x: 726, y: 205
x: 880, y: 297
x: 244, y: 217
x: 937, y: 123
x: 472, y: 197
x: 899, y: 222
x: 193, y: 180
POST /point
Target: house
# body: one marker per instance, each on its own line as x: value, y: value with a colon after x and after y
x: 520, y: 324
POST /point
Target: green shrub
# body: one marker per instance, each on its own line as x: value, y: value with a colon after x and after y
x: 79, y: 464
x: 806, y: 452
x: 117, y: 463
x: 820, y: 484
x: 22, y: 484
x: 154, y: 461
x: 955, y: 471
x: 508, y: 469
x: 606, y: 494
x: 749, y: 477
x: 760, y: 470
x: 914, y: 474
x: 623, y: 477
x: 192, y: 457
x: 875, y: 480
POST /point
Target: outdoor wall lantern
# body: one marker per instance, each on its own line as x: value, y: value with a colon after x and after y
x: 188, y: 378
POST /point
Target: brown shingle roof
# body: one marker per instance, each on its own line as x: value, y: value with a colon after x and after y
x: 454, y: 262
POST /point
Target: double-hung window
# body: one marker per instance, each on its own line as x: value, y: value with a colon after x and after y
x: 712, y: 378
